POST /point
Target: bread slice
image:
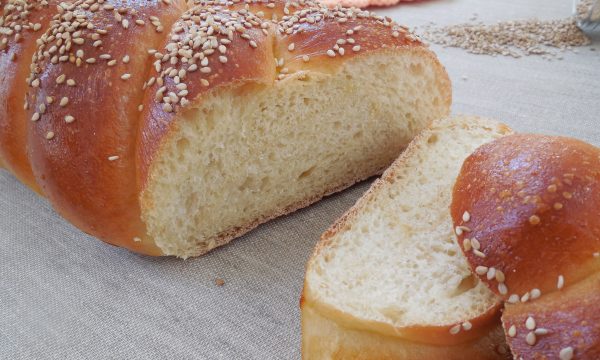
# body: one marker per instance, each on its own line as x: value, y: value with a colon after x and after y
x: 388, y: 279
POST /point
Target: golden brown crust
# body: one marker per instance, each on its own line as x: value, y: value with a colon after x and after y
x: 570, y: 317
x: 84, y: 157
x: 326, y: 338
x: 21, y: 23
x: 533, y: 203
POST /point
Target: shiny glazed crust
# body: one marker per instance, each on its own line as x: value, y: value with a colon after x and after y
x: 82, y: 120
x: 532, y: 203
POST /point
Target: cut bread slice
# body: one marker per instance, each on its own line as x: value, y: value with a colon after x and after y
x: 388, y: 279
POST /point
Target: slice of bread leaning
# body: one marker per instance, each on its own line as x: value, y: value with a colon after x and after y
x: 387, y: 281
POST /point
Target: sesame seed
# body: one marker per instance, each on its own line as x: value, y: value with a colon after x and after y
x: 71, y: 82
x: 305, y: 58
x: 567, y: 195
x: 137, y: 239
x: 535, y: 293
x: 596, y: 254
x: 222, y: 59
x: 330, y: 53
x: 467, y: 245
x: 502, y: 289
x: 491, y: 273
x: 126, y: 76
x: 167, y: 108
x: 113, y: 158
x: 557, y: 206
x: 341, y: 51
x: 530, y: 338
x: 512, y: 331
x: 481, y: 270
x: 204, y: 82
x: 49, y: 135
x: 478, y: 253
x: 561, y: 282
x: 476, y: 244
x: 566, y: 353
x: 112, y: 63
x: 551, y: 188
x: 467, y: 325
x: 35, y: 117
x: 126, y: 59
x: 541, y: 331
x: 61, y: 79
x: 525, y: 297
x: 534, y: 219
x: 455, y: 329
x: 500, y: 276
x: 513, y: 299
x: 64, y: 101
x: 530, y: 323
x: 49, y: 99
x: 466, y: 216
x: 253, y: 44
x: 291, y: 47
x: 35, y: 83
x: 356, y: 48
x: 90, y: 61
x: 395, y: 34
x: 458, y: 229
x: 69, y: 119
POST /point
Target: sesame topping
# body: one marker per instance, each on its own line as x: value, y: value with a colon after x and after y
x: 467, y: 245
x: 513, y: 299
x: 502, y: 289
x: 126, y: 76
x: 49, y: 135
x: 512, y: 331
x: 466, y: 216
x: 481, y: 270
x: 535, y: 293
x: 137, y: 239
x: 478, y: 253
x: 566, y: 353
x: 541, y: 331
x: 113, y: 158
x: 561, y: 282
x: 467, y: 325
x: 525, y: 297
x: 534, y: 220
x: 475, y: 244
x: 35, y: 117
x: 530, y: 323
x: 530, y: 338
x: 64, y: 101
x: 455, y: 329
x: 69, y: 119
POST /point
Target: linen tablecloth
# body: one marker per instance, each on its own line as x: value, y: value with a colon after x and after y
x: 65, y: 295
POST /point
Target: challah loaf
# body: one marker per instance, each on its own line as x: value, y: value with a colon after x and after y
x: 526, y: 209
x: 170, y: 128
x: 387, y: 281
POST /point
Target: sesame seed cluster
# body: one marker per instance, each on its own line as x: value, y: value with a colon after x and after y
x: 202, y: 41
x: 16, y: 20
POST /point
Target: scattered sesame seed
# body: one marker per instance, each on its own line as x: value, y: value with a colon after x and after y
x: 500, y: 276
x: 475, y: 243
x: 530, y: 323
x: 530, y: 338
x: 534, y: 219
x: 466, y: 216
x: 64, y: 101
x: 253, y: 44
x: 541, y: 331
x: 467, y: 325
x: 535, y: 293
x: 137, y: 239
x: 512, y: 331
x: 305, y: 58
x: 49, y: 135
x: 513, y: 299
x: 478, y: 253
x: 330, y: 53
x: 126, y: 59
x: 356, y: 48
x: 69, y: 119
x: 525, y: 297
x: 113, y: 158
x: 502, y: 289
x: 481, y: 270
x: 71, y: 82
x: 458, y: 229
x: 35, y: 117
x: 567, y: 195
x: 596, y: 254
x: 491, y: 273
x: 566, y: 353
x: 140, y: 108
x: 467, y: 245
x: 561, y: 282
x: 455, y: 329
x: 61, y: 79
x: 291, y: 47
x: 557, y: 206
x: 126, y: 76
x: 551, y: 188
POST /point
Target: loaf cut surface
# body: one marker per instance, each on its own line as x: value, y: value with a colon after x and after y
x: 391, y: 268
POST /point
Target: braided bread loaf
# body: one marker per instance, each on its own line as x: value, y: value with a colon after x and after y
x: 527, y: 214
x: 169, y: 128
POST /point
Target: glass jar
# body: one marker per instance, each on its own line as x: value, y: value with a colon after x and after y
x: 587, y: 13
